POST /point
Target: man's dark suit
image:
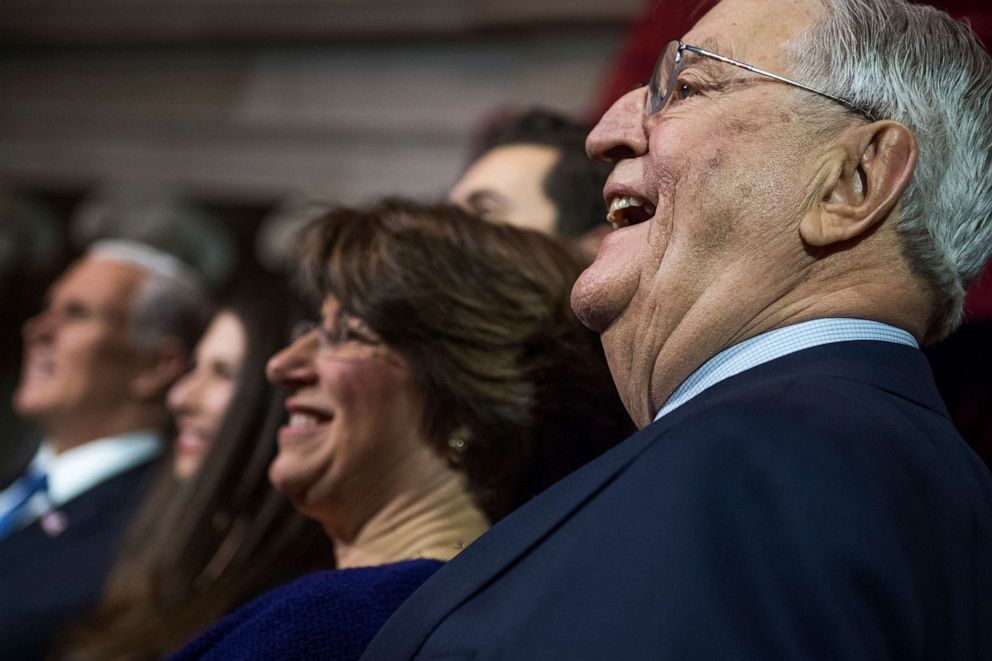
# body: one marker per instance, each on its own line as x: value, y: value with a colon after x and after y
x: 818, y: 506
x: 46, y: 581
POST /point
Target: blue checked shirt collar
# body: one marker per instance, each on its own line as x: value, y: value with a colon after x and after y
x: 777, y: 343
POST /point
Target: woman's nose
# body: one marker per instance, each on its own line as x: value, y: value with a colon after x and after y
x: 182, y: 394
x: 294, y: 365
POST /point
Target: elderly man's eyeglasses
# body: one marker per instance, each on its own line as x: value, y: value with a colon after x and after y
x: 665, y: 80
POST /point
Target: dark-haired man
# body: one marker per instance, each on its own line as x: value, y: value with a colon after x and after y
x: 532, y: 171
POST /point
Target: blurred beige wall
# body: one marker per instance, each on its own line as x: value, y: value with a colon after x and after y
x: 256, y: 99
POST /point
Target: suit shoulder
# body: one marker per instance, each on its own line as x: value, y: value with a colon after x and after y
x: 802, y: 415
x: 822, y: 441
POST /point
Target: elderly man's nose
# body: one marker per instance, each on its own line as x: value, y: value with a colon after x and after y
x: 620, y: 132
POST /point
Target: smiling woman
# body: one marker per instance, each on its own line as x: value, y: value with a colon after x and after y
x: 447, y: 383
x: 199, y: 400
x: 354, y: 439
x: 479, y: 317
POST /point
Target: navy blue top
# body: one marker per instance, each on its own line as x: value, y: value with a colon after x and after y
x: 326, y: 615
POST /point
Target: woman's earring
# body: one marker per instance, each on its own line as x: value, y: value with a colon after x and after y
x: 456, y: 449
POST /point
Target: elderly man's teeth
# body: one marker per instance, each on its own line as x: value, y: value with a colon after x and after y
x: 616, y: 216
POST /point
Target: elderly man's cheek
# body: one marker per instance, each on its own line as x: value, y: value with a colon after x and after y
x: 605, y: 289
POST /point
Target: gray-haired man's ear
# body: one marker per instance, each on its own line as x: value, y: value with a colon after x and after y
x: 159, y: 368
x: 863, y: 180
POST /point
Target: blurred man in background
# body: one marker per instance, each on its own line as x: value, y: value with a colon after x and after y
x: 115, y: 333
x: 531, y: 170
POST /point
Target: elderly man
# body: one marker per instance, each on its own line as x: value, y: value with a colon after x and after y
x: 114, y: 334
x: 785, y: 238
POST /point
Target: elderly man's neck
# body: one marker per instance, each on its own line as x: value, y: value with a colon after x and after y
x: 736, y: 312
x: 69, y: 433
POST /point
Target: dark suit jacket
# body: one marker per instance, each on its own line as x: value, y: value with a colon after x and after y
x: 819, y: 506
x: 47, y: 581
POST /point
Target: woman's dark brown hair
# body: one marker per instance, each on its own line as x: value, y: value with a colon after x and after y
x: 200, y: 548
x: 481, y: 313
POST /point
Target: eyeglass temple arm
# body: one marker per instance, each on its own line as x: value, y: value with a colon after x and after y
x: 781, y: 79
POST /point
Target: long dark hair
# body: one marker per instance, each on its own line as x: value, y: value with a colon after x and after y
x: 200, y: 548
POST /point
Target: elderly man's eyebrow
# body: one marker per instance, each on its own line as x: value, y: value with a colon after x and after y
x: 692, y: 60
x: 716, y: 45
x: 713, y: 45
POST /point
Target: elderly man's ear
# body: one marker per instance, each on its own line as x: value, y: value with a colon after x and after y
x: 862, y: 180
x: 158, y: 369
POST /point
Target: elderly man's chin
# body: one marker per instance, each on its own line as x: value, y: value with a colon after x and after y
x: 604, y: 290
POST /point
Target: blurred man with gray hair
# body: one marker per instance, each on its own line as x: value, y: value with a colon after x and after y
x: 116, y: 331
x: 800, y: 197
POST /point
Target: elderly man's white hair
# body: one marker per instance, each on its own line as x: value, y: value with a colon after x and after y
x: 920, y: 67
x: 171, y: 300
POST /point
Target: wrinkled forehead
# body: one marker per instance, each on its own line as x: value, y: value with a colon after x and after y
x: 754, y: 31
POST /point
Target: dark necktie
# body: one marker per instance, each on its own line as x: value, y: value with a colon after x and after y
x: 24, y: 488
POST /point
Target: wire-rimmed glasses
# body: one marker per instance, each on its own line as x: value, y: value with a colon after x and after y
x: 669, y: 65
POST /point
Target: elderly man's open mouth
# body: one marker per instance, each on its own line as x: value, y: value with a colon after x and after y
x: 628, y: 210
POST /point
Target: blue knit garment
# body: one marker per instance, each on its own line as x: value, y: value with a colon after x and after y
x: 326, y: 615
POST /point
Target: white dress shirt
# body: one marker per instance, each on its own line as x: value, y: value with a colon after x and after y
x: 76, y: 471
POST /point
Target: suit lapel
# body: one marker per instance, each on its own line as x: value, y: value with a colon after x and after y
x: 80, y: 517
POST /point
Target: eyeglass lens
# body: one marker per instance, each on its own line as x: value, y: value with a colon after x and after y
x: 663, y: 78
